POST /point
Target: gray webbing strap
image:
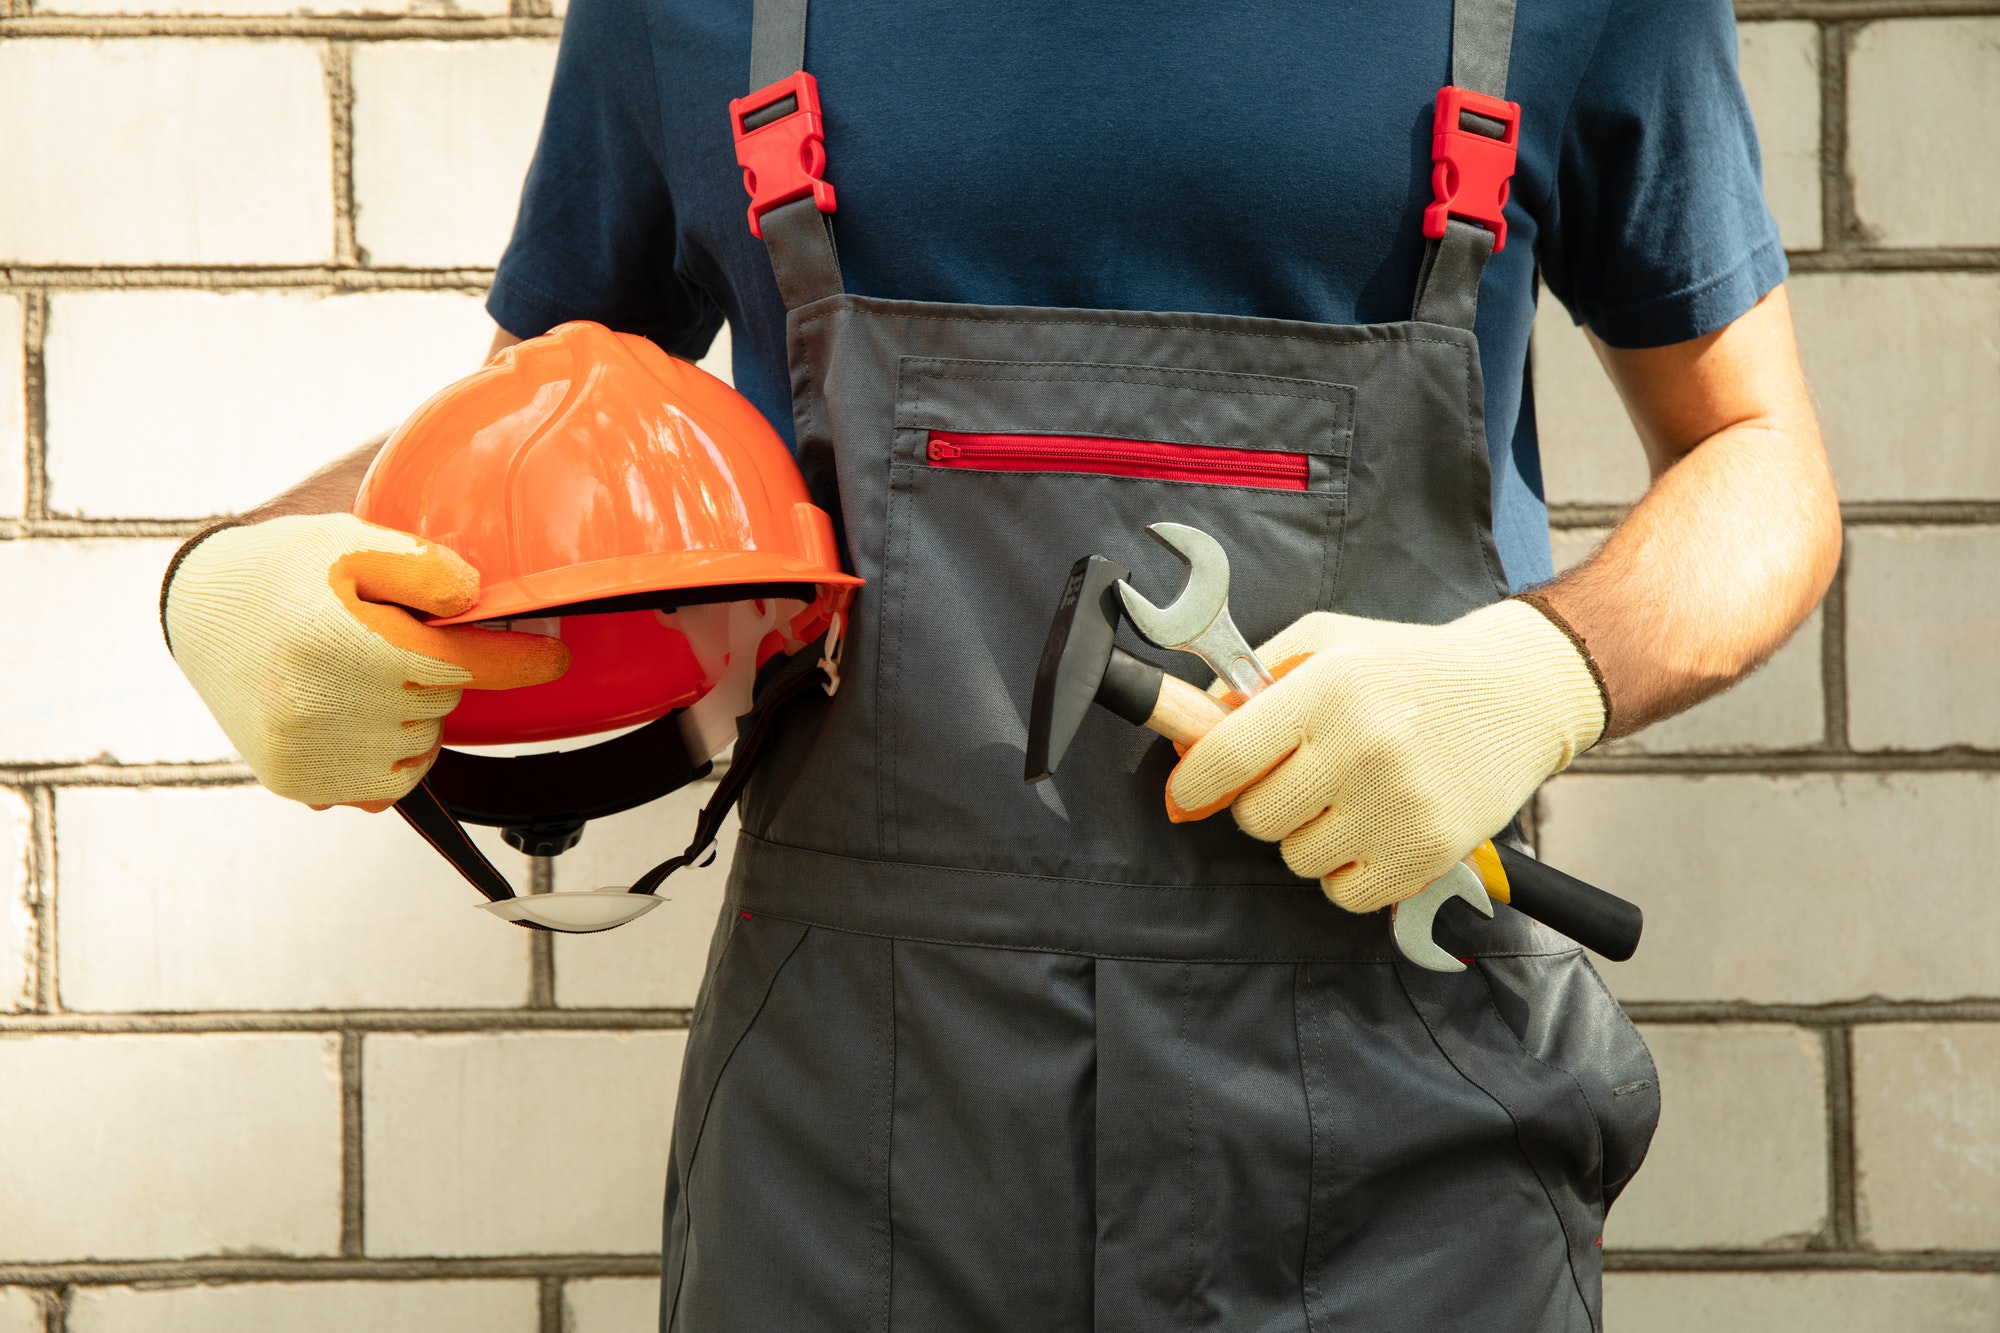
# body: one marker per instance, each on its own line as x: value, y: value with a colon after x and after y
x: 778, y: 40
x: 798, y: 237
x: 1482, y: 44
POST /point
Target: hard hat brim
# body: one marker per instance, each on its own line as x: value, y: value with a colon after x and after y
x: 660, y: 572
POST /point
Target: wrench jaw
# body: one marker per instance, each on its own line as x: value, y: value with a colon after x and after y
x: 1414, y: 918
x: 1197, y: 620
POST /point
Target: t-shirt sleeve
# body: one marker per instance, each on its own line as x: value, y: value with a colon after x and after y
x: 1662, y: 233
x: 594, y: 238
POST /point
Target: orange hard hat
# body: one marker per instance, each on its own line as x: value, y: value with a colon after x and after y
x: 645, y: 513
x: 595, y: 481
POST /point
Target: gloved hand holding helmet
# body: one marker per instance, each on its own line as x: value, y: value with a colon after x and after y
x: 298, y: 634
x: 1385, y: 752
x: 583, y: 500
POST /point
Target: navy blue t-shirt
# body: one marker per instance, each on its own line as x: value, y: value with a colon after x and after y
x: 1262, y: 159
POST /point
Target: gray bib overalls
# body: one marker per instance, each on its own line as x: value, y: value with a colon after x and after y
x: 975, y: 1055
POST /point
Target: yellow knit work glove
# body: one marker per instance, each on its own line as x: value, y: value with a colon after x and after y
x: 294, y: 633
x: 1389, y: 751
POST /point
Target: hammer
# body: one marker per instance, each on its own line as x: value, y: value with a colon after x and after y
x: 1080, y: 665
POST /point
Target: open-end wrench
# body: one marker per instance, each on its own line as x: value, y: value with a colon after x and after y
x: 1197, y: 620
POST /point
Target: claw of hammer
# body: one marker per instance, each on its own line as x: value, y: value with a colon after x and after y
x: 1415, y: 916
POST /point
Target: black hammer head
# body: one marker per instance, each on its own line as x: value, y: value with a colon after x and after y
x: 1073, y: 660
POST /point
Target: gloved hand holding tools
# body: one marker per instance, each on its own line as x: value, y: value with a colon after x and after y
x: 295, y: 633
x: 1386, y: 751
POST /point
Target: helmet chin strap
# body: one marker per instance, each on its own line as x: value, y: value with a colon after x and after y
x: 616, y: 775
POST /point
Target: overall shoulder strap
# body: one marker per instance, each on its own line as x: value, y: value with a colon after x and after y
x: 780, y: 144
x: 1482, y: 43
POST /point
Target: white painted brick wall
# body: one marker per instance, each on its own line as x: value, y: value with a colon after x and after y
x: 233, y: 898
x: 164, y: 151
x: 524, y: 1143
x: 1917, y: 138
x: 1791, y: 889
x: 1905, y: 368
x: 1923, y: 637
x: 612, y: 1305
x: 132, y: 1147
x: 1780, y: 68
x: 177, y: 404
x: 88, y: 675
x: 311, y: 1307
x: 1823, y: 1302
x: 442, y: 136
x: 1926, y: 1122
x: 21, y: 1311
x: 17, y: 905
x: 1739, y: 1160
x: 657, y: 961
x: 1590, y: 453
x: 13, y: 408
x: 246, y: 8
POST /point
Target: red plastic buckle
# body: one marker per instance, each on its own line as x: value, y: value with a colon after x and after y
x: 782, y: 158
x: 1470, y: 178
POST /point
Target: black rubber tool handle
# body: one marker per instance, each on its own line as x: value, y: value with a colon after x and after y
x: 1601, y: 922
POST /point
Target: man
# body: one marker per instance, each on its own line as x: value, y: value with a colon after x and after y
x: 975, y: 1055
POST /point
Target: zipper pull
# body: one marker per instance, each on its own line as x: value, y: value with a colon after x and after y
x: 943, y: 451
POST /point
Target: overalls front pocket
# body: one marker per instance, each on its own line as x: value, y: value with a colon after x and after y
x: 1001, y: 475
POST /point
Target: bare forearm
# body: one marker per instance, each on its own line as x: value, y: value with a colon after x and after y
x: 1727, y: 553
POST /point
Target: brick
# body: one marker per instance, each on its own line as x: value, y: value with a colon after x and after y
x: 656, y: 961
x: 1791, y: 889
x: 1914, y: 138
x: 1825, y: 1302
x: 184, y: 404
x: 17, y: 905
x: 1906, y: 370
x: 1779, y: 706
x: 232, y: 898
x: 442, y: 136
x: 21, y: 1312
x: 309, y: 1307
x: 520, y: 1143
x: 1739, y: 1160
x: 1780, y: 68
x: 88, y: 675
x: 420, y: 8
x: 1923, y: 631
x: 165, y: 151
x: 13, y: 410
x: 1590, y: 453
x: 167, y: 1146
x: 612, y: 1305
x: 1927, y: 1135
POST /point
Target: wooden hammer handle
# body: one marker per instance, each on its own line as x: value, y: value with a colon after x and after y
x: 1183, y: 714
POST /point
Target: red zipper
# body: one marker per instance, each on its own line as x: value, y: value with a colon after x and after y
x: 1264, y: 468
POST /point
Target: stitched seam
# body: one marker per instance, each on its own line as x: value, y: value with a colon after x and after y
x: 887, y: 1091
x: 854, y: 307
x: 1309, y: 1288
x: 701, y: 1124
x: 1055, y: 370
x: 1187, y: 1106
x: 1167, y: 372
x: 935, y: 423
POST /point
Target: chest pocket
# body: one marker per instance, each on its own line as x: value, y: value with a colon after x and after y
x: 1002, y: 474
